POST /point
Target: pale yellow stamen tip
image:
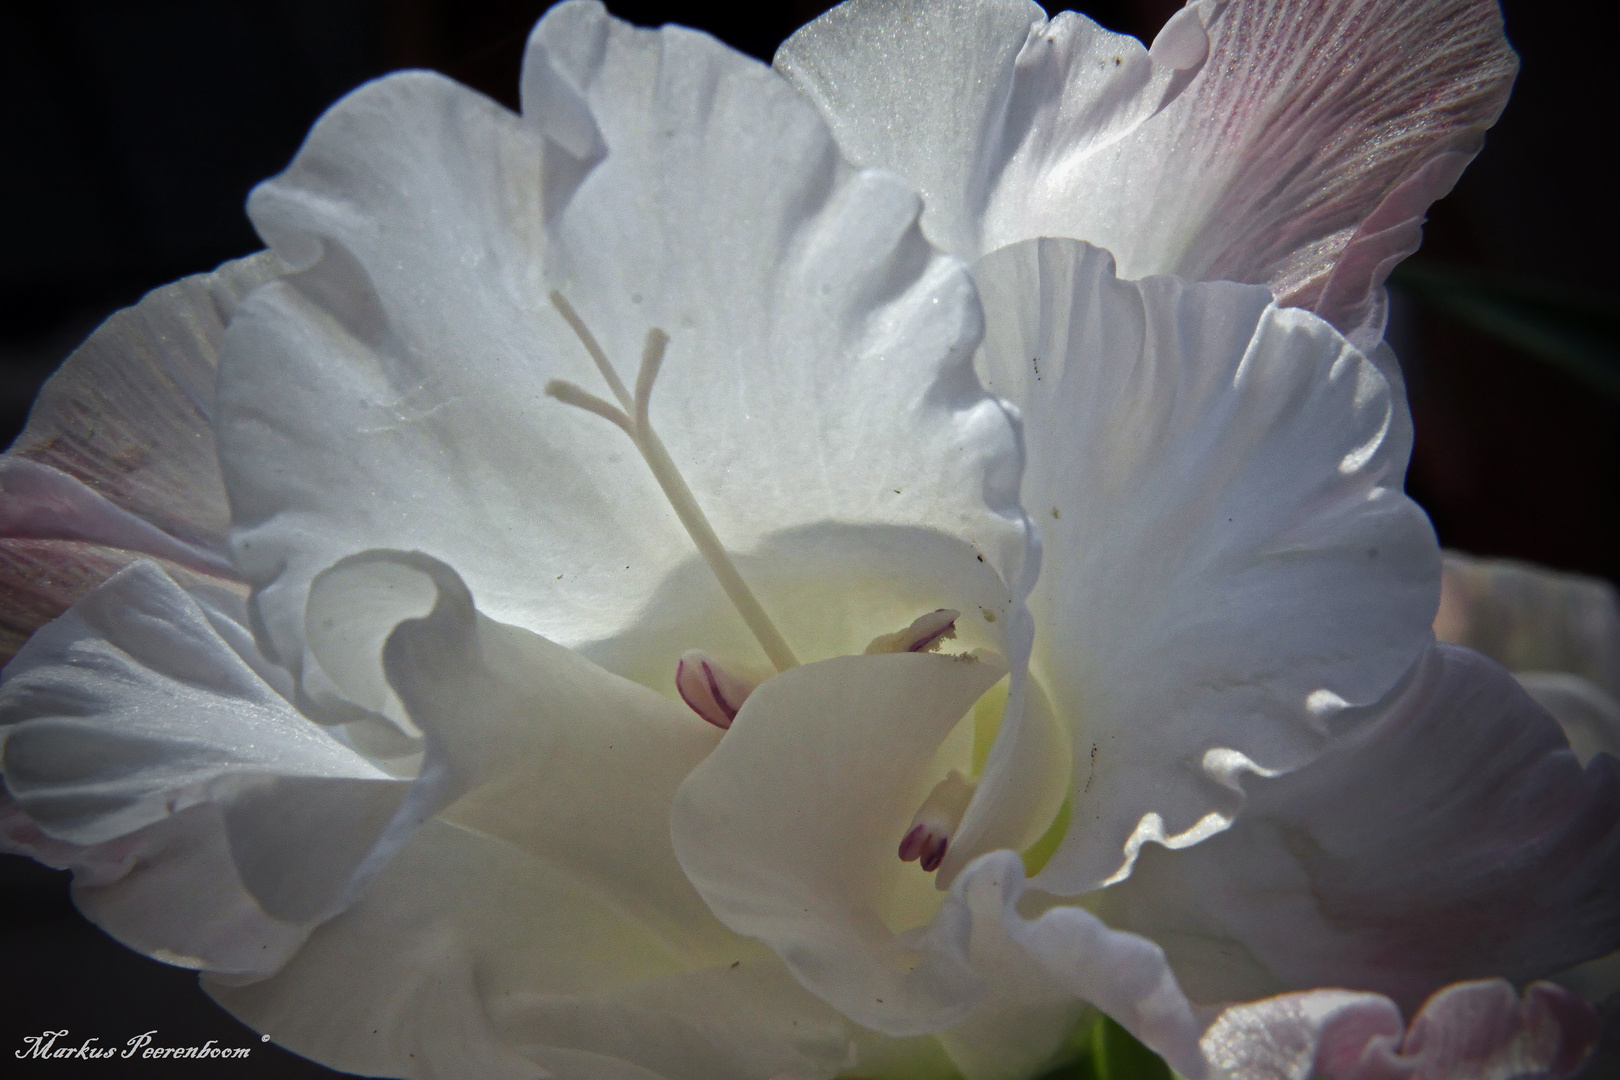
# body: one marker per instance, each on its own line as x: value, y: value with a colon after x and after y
x: 925, y: 634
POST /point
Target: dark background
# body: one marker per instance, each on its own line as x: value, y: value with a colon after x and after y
x: 133, y: 130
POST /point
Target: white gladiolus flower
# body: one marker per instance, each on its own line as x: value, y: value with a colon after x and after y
x: 672, y: 619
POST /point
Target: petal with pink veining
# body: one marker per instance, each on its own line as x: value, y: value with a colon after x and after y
x: 1302, y: 154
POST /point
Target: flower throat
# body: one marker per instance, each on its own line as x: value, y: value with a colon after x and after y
x: 709, y: 689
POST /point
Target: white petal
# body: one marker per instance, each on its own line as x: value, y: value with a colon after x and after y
x: 391, y: 392
x: 130, y: 413
x: 1124, y: 975
x: 1027, y: 1010
x: 134, y: 706
x: 1302, y: 155
x: 1528, y: 618
x: 467, y: 957
x: 980, y: 102
x: 789, y: 828
x: 1024, y: 785
x: 170, y: 890
x: 1217, y: 483
x: 1456, y: 837
x: 1472, y: 1030
x: 532, y: 744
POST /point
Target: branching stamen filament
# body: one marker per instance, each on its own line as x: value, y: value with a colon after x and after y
x: 632, y: 420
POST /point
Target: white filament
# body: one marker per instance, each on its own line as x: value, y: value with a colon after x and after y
x: 632, y: 420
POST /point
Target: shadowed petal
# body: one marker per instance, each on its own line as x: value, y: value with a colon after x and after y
x: 532, y: 744
x: 170, y: 890
x: 148, y: 751
x: 541, y: 917
x: 1456, y: 837
x: 470, y: 958
x: 1229, y: 560
x: 789, y: 827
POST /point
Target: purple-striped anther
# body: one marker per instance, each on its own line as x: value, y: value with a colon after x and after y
x: 713, y: 692
x: 925, y: 634
x: 929, y: 836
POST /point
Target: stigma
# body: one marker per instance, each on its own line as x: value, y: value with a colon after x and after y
x: 631, y: 416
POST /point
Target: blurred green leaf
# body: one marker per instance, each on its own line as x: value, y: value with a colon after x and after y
x: 1578, y: 334
x: 1109, y: 1052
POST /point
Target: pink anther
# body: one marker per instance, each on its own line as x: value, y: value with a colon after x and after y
x: 712, y: 692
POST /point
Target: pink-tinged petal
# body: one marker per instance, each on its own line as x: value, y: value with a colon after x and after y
x: 1454, y: 837
x: 59, y: 539
x: 1306, y: 151
x: 40, y: 579
x: 1302, y: 154
x: 1478, y: 1030
x: 38, y: 502
x: 1292, y: 1036
x: 1529, y: 618
x: 130, y: 413
x: 118, y: 458
x: 1470, y: 1031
